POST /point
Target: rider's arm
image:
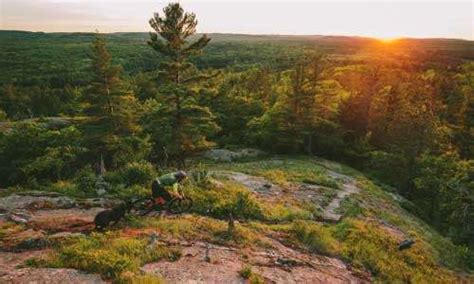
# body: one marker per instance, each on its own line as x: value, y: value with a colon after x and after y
x: 174, y: 191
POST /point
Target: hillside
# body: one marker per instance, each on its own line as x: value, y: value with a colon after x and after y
x: 297, y: 218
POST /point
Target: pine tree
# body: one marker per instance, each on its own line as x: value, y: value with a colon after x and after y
x: 110, y: 107
x: 180, y: 124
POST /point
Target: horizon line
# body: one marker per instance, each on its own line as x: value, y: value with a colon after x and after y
x: 251, y: 34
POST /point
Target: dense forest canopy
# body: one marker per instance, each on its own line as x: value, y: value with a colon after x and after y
x: 32, y: 57
x: 401, y: 111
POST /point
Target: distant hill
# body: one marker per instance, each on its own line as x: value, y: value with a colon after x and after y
x: 32, y: 57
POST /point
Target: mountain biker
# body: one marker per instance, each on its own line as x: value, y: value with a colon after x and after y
x: 165, y: 187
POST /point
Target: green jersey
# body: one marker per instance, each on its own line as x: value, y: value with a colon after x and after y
x: 169, y: 182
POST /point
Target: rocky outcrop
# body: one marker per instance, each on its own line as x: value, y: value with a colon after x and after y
x: 34, y: 201
x: 258, y: 185
x: 209, y: 263
x: 50, y: 276
x: 224, y: 155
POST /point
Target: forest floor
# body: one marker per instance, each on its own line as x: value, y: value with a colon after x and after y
x: 35, y: 226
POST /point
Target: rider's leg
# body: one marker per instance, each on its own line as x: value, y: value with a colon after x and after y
x: 156, y: 189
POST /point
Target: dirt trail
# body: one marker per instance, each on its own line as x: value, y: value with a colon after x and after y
x: 349, y: 186
x: 330, y: 211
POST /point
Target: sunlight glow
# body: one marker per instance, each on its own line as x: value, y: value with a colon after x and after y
x: 380, y: 19
x: 388, y: 40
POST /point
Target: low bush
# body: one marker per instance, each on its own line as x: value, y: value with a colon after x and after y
x: 376, y: 249
x: 110, y: 255
x: 280, y: 213
x: 85, y: 180
x: 246, y: 272
x: 133, y: 173
x: 252, y: 277
x: 231, y: 199
x: 316, y: 237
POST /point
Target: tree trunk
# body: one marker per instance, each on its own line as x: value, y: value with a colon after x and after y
x: 179, y: 134
x: 109, y: 103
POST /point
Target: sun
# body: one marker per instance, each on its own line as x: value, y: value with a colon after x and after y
x: 388, y: 39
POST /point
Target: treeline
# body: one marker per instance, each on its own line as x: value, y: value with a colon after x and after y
x: 404, y: 116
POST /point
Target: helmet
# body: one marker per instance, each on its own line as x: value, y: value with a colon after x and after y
x: 180, y: 175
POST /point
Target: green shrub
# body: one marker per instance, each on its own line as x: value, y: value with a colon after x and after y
x: 201, y: 177
x: 131, y: 149
x: 256, y: 279
x: 220, y: 203
x: 131, y: 192
x: 194, y: 227
x: 246, y: 272
x: 68, y: 188
x: 86, y: 180
x: 388, y: 167
x: 252, y: 277
x: 316, y: 237
x: 322, y: 179
x: 3, y: 115
x: 451, y: 255
x: 241, y: 206
x: 141, y: 173
x: 279, y: 212
x: 32, y: 152
x: 111, y: 255
x: 371, y: 246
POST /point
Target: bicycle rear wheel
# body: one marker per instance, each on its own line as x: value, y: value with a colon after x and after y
x: 143, y: 206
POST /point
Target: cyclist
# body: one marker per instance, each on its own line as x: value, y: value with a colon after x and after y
x: 165, y: 187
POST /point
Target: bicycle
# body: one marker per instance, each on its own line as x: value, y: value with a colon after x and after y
x: 146, y: 205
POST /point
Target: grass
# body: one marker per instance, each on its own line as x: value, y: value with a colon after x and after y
x: 111, y: 255
x: 236, y: 199
x: 283, y: 171
x: 376, y: 203
x: 371, y: 247
x: 368, y: 246
x: 252, y: 277
x: 9, y: 228
x: 193, y: 227
x: 316, y: 237
x: 350, y: 207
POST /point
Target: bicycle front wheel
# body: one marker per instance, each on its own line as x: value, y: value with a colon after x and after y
x: 178, y: 206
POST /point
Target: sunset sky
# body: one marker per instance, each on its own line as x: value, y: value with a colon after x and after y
x: 383, y: 19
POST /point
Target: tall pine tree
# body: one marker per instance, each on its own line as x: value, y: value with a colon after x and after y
x: 110, y: 107
x: 179, y: 124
